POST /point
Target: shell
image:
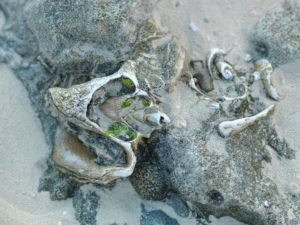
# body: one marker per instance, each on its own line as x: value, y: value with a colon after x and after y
x: 230, y: 128
x: 72, y: 157
x: 211, y: 58
x: 219, y: 69
x: 108, y: 106
x: 226, y: 70
x: 265, y: 69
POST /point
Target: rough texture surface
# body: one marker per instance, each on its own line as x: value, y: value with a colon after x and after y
x: 150, y: 181
x: 58, y: 184
x: 229, y: 171
x: 103, y: 35
x: 85, y: 205
x: 219, y: 176
x: 276, y: 34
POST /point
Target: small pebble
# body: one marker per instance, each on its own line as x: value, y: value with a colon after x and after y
x: 248, y: 58
x: 256, y: 76
x: 266, y: 203
x: 193, y: 27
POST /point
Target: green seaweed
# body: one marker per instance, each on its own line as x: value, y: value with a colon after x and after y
x: 145, y: 102
x: 128, y: 83
x: 122, y: 91
x: 127, y: 102
x: 132, y: 134
x: 128, y: 119
x: 115, y: 128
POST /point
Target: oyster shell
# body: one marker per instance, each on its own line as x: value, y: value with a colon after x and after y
x: 113, y: 106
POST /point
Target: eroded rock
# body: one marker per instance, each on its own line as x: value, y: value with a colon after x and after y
x: 276, y: 34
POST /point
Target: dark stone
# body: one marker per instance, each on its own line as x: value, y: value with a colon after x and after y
x: 178, y: 204
x: 58, y: 184
x: 150, y: 181
x: 85, y: 205
x: 156, y: 217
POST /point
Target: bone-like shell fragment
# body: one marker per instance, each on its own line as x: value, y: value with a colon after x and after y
x: 230, y: 128
x: 264, y: 67
x: 103, y: 106
x: 226, y: 70
x: 211, y: 60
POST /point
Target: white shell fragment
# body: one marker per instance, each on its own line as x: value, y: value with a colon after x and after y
x: 256, y: 76
x: 211, y: 57
x: 265, y: 69
x: 248, y: 58
x: 226, y: 70
x: 220, y: 69
x: 113, y: 106
x: 230, y: 128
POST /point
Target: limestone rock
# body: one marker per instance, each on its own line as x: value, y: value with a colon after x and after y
x: 276, y: 34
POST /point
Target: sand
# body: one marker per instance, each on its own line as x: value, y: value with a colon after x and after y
x: 23, y: 153
x: 200, y: 25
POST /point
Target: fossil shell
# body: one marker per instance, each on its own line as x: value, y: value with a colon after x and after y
x: 109, y: 106
x: 230, y: 128
x: 264, y: 67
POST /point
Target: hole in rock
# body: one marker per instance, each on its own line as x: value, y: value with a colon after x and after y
x: 215, y: 197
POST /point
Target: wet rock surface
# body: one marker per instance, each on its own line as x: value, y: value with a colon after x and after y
x: 221, y: 177
x: 276, y: 34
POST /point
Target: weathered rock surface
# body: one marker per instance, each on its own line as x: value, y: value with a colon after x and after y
x: 150, y: 181
x: 85, y: 205
x: 58, y: 184
x: 91, y: 33
x: 48, y: 47
x: 276, y: 34
x: 222, y: 176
